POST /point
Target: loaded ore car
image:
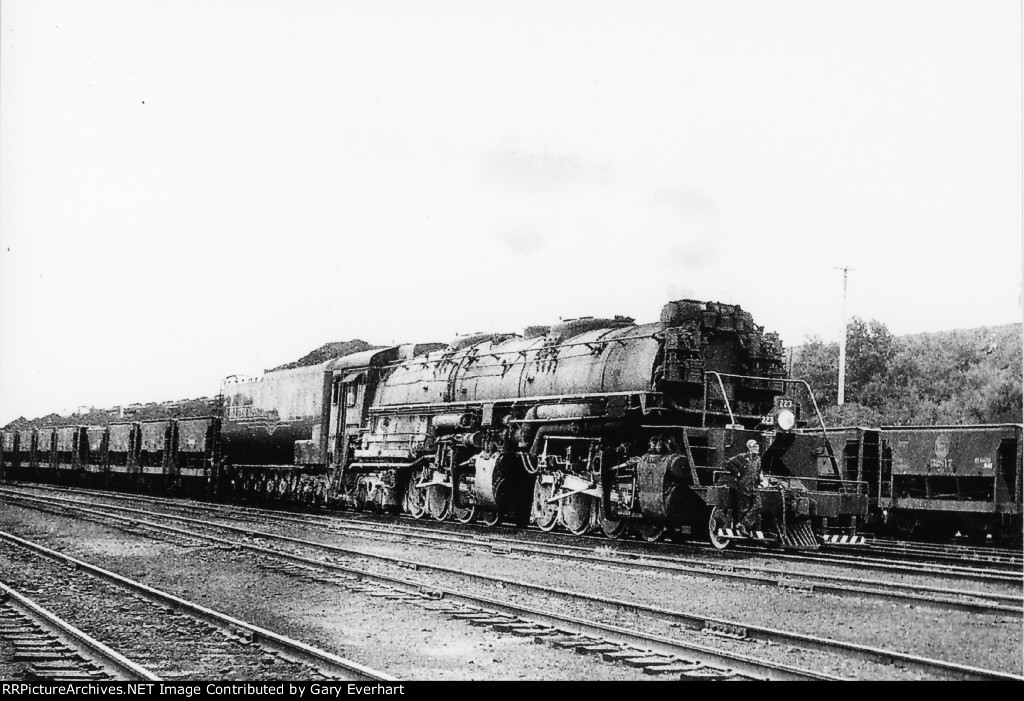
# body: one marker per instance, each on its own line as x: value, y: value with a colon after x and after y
x: 590, y: 424
x: 164, y: 455
x: 70, y: 442
x: 934, y: 481
x: 8, y: 448
x: 10, y: 462
x: 44, y: 454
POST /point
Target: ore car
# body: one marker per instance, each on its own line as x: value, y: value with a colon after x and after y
x: 934, y: 481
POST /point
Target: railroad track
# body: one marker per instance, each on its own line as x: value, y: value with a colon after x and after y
x: 838, y: 584
x: 189, y: 640
x: 949, y: 552
x: 259, y: 542
x: 987, y: 570
x: 654, y: 654
x: 923, y: 595
x: 842, y: 585
x: 45, y: 647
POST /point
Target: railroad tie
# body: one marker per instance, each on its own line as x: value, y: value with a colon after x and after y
x: 528, y: 629
x: 646, y: 661
x: 436, y: 606
x: 598, y: 648
x: 52, y: 646
x: 75, y: 663
x: 517, y: 624
x: 470, y: 615
x: 481, y: 618
x: 709, y: 673
x: 23, y: 629
x: 48, y: 655
x: 622, y: 654
x: 679, y: 666
x: 489, y: 621
x: 27, y: 636
x: 34, y: 673
x: 570, y: 641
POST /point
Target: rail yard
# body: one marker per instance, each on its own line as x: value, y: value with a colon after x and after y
x: 597, y: 499
x: 514, y: 605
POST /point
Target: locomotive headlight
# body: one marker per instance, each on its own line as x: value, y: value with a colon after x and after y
x: 786, y: 419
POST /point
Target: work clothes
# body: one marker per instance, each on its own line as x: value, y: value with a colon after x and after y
x: 746, y: 468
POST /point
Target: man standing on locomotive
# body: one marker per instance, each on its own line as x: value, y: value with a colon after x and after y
x: 746, y: 468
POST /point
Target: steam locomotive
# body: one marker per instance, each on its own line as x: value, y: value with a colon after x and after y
x: 590, y: 424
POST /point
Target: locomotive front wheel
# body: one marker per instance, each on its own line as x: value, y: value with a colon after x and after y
x: 649, y: 532
x: 545, y: 513
x: 489, y: 518
x: 716, y: 520
x: 575, y: 514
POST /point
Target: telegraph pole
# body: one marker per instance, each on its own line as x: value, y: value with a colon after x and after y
x: 842, y: 344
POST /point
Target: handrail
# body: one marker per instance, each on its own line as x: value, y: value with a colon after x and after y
x: 810, y: 393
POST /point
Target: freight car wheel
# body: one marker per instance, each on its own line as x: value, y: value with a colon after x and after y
x: 575, y: 514
x: 545, y: 513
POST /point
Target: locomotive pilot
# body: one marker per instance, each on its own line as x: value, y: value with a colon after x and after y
x: 746, y: 468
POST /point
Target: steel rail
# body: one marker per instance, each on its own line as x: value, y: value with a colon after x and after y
x: 980, y: 573
x: 943, y: 553
x: 690, y: 619
x: 288, y: 648
x: 120, y: 666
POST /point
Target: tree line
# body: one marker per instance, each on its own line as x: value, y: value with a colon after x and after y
x: 953, y: 377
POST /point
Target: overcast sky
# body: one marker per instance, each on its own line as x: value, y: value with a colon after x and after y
x: 192, y: 189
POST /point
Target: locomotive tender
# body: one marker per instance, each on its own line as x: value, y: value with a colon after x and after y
x: 590, y: 424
